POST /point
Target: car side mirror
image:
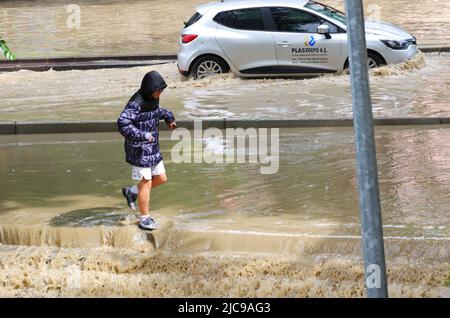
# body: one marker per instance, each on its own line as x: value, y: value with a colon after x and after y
x: 325, y: 30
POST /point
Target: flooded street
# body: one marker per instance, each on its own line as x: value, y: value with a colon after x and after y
x: 40, y: 28
x: 305, y: 196
x: 103, y: 272
x: 419, y: 87
x: 64, y: 191
x: 224, y: 229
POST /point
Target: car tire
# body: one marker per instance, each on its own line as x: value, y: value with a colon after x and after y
x: 373, y: 60
x: 207, y: 66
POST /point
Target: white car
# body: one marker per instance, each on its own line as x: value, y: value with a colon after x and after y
x: 256, y: 38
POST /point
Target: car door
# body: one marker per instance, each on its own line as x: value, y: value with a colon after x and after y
x: 243, y: 37
x: 300, y: 49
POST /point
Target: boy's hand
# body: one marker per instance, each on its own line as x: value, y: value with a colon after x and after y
x: 149, y: 137
x: 172, y: 125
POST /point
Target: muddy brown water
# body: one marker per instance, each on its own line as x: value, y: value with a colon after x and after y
x: 315, y: 166
x: 419, y: 87
x: 295, y: 233
x: 226, y: 230
x: 45, y: 28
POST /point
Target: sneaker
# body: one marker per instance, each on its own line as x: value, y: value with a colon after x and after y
x: 148, y: 224
x: 131, y: 197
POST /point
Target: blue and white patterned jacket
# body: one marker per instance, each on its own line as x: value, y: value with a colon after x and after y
x: 136, y: 122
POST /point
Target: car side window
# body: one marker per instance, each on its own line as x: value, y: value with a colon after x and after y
x: 243, y: 19
x: 295, y: 20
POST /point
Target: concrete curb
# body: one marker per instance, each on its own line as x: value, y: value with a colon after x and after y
x: 292, y: 123
x: 19, y: 128
x: 408, y: 121
x: 120, y: 61
x: 93, y: 59
x: 7, y: 128
x: 69, y: 127
x: 432, y: 49
x: 67, y: 66
x: 84, y: 63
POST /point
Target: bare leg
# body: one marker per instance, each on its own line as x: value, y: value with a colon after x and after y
x: 144, y: 190
x: 144, y: 187
x: 158, y: 180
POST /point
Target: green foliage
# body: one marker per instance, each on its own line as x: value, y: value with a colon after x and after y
x: 6, y: 51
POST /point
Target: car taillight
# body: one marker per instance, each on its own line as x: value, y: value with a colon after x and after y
x: 187, y: 38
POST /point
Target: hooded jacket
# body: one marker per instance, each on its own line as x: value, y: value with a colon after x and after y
x: 139, y: 123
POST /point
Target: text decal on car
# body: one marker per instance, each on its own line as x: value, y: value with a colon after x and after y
x: 309, y: 54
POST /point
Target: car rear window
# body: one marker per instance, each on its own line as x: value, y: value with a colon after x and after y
x: 197, y: 16
x: 242, y: 19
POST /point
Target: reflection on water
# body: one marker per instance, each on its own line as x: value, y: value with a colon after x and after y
x: 39, y: 28
x: 225, y: 230
x: 88, y: 217
x: 63, y: 182
x: 419, y: 87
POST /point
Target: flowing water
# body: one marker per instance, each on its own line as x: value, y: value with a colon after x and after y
x: 419, y: 87
x: 226, y: 230
x: 46, y: 28
x: 61, y: 210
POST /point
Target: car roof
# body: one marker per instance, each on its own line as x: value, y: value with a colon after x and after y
x: 224, y: 5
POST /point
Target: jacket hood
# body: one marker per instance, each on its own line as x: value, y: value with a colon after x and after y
x: 151, y: 82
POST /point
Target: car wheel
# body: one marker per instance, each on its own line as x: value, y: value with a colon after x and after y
x: 208, y: 66
x: 373, y: 61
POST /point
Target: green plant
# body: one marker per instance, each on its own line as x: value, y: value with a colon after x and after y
x: 6, y: 51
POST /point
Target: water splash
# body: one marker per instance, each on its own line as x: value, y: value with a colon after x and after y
x: 50, y: 272
x: 416, y: 63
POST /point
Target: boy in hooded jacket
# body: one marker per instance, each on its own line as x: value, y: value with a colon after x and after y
x: 139, y: 123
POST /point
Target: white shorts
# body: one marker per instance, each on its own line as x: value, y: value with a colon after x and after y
x: 137, y: 173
